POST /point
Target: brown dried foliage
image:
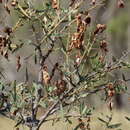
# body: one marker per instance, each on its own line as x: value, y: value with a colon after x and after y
x: 77, y: 38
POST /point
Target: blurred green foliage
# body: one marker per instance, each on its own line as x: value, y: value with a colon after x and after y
x: 119, y: 24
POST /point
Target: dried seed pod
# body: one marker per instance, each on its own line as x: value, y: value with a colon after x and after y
x: 78, y: 59
x: 100, y: 28
x: 76, y: 41
x: 88, y: 119
x: 110, y: 105
x: 101, y: 59
x: 78, y: 19
x: 5, y: 54
x: 7, y: 30
x: 111, y: 93
x: 87, y: 20
x: 18, y: 66
x: 0, y: 1
x: 7, y: 8
x: 3, y: 41
x: 103, y: 46
x: 120, y: 4
x: 61, y: 87
x: 79, y: 119
x: 55, y: 4
x: 93, y: 2
x: 110, y: 86
x: 14, y: 3
x: 82, y: 27
x: 46, y: 76
x: 1, y: 52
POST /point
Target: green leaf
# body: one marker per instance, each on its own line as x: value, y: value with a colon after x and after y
x: 43, y: 104
x: 102, y: 120
x: 14, y: 91
x: 114, y: 126
x: 128, y: 118
x: 61, y: 111
x: 84, y: 110
x: 114, y: 59
x: 77, y: 127
x: 81, y: 107
x: 84, y: 95
x: 123, y: 77
x: 68, y: 120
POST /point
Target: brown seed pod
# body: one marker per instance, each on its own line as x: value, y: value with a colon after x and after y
x: 7, y: 8
x: 3, y: 41
x: 7, y: 30
x: 93, y: 2
x: 110, y: 86
x: 87, y: 20
x: 55, y: 4
x: 5, y: 54
x: 111, y: 93
x: 103, y: 46
x: 78, y: 59
x: 61, y: 87
x: 14, y: 3
x: 88, y: 119
x: 120, y: 4
x: 0, y: 1
x: 78, y: 19
x: 99, y: 28
x: 110, y: 105
x: 76, y: 41
x: 1, y: 52
x: 79, y: 119
x: 101, y: 59
x: 82, y: 125
x: 46, y: 76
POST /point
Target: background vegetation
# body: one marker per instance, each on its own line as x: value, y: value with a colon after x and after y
x: 65, y: 56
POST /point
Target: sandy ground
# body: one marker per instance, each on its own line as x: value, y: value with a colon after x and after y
x: 118, y: 117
